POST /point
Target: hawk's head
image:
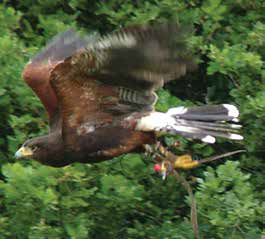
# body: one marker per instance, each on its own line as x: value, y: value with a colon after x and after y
x: 46, y: 149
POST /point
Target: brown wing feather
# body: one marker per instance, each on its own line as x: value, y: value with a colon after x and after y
x: 88, y: 129
x: 81, y: 100
x: 37, y: 73
x: 140, y: 60
x: 37, y: 76
x: 87, y: 86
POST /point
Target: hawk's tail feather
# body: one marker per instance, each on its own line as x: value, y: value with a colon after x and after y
x: 224, y: 112
x: 207, y: 136
x: 204, y: 122
x: 221, y: 127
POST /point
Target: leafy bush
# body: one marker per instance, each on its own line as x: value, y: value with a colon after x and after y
x: 123, y: 198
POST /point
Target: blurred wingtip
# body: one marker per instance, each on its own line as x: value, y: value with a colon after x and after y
x: 60, y: 47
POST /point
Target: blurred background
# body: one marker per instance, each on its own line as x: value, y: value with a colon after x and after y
x: 125, y: 198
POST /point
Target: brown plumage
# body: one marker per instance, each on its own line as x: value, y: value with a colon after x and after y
x: 100, y: 94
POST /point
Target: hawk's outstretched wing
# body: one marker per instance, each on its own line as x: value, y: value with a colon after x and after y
x: 116, y: 76
x: 37, y: 72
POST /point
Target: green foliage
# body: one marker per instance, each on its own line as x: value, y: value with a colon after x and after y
x: 226, y: 193
x: 123, y: 198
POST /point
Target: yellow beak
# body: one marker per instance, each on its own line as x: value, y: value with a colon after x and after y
x: 23, y: 152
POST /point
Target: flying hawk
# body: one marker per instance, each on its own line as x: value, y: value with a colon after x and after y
x: 99, y: 93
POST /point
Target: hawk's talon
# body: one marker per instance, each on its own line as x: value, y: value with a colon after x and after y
x: 185, y: 162
x: 166, y: 167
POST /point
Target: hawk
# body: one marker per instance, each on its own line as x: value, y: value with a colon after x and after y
x: 99, y: 93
